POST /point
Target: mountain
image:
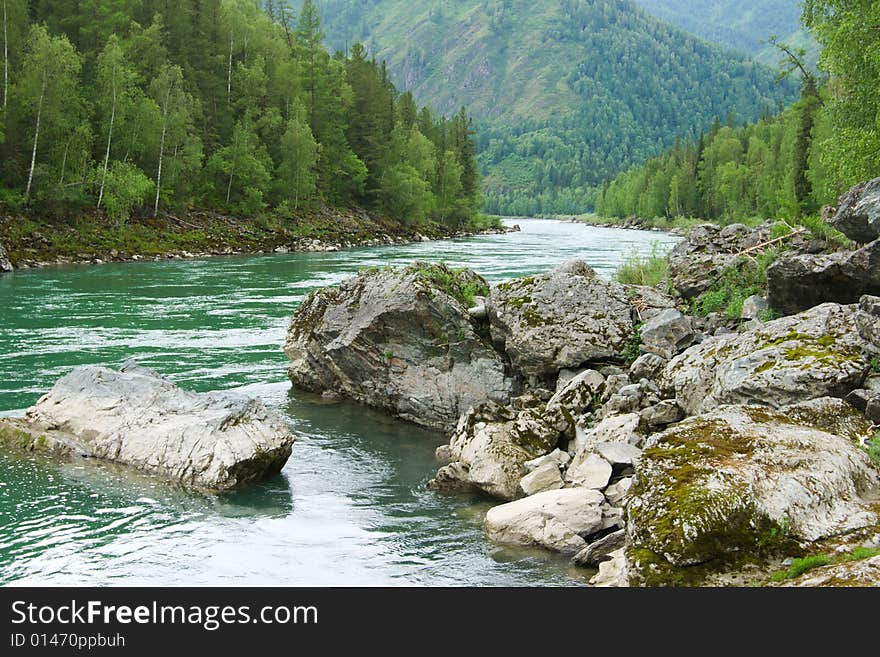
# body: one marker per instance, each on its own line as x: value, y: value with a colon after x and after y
x: 744, y: 25
x: 566, y: 93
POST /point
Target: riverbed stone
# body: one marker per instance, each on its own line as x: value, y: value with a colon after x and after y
x: 557, y: 456
x: 667, y: 334
x: 589, y: 470
x: 399, y: 340
x: 556, y: 520
x: 797, y: 282
x: 490, y: 447
x: 858, y: 212
x: 545, y: 477
x: 625, y: 428
x: 754, y: 306
x: 647, y: 366
x: 616, y: 493
x: 739, y: 477
x: 813, y: 354
x: 613, y: 572
x: 566, y: 318
x: 211, y: 441
x: 666, y: 412
x: 600, y: 550
x: 618, y: 454
x: 5, y: 263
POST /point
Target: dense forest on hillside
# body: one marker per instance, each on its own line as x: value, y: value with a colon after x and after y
x: 781, y: 167
x: 564, y: 94
x: 232, y: 105
x: 743, y: 25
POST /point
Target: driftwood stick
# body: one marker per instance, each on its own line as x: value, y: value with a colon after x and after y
x: 764, y: 245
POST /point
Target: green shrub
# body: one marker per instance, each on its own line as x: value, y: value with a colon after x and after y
x: 640, y: 269
x: 875, y: 365
x: 631, y: 350
x: 873, y: 448
x: 734, y: 285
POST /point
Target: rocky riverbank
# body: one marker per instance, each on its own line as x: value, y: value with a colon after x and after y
x: 716, y: 429
x: 28, y: 242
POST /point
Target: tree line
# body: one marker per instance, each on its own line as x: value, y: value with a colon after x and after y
x: 229, y: 105
x: 783, y: 166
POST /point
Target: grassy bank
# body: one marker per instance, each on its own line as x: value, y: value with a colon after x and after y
x: 32, y: 240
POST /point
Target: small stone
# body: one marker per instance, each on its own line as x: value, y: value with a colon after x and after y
x: 618, y: 453
x: 616, y: 493
x: 557, y: 456
x: 667, y: 334
x: 665, y: 413
x: 589, y: 470
x: 544, y: 478
x: 599, y: 551
x: 613, y: 572
x: 647, y: 366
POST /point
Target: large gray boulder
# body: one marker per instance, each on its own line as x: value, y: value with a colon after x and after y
x: 797, y: 282
x: 5, y: 264
x: 491, y: 446
x: 134, y: 417
x: 858, y: 213
x: 667, y: 334
x: 814, y: 354
x: 566, y: 318
x: 738, y: 479
x: 696, y: 262
x: 557, y: 520
x: 399, y: 340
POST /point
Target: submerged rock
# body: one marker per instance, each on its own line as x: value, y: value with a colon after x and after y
x: 858, y: 214
x: 797, y: 282
x: 566, y: 318
x: 5, y: 264
x: 212, y: 441
x: 400, y: 340
x: 740, y: 477
x: 557, y: 520
x: 814, y: 354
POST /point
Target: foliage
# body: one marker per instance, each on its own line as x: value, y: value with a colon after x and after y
x: 648, y: 270
x: 632, y: 349
x: 461, y: 284
x: 602, y: 85
x: 875, y: 365
x: 734, y: 285
x: 229, y: 105
x: 800, y: 566
x: 873, y: 448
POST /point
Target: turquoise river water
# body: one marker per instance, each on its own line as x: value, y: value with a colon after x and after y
x: 350, y: 507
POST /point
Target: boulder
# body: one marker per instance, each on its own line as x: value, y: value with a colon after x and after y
x: 666, y: 412
x: 814, y: 354
x: 5, y: 263
x: 797, y: 282
x: 599, y: 551
x: 589, y: 470
x: 557, y: 456
x: 753, y: 306
x: 566, y: 318
x: 858, y: 212
x: 868, y: 402
x: 618, y: 454
x: 615, y: 428
x: 612, y: 572
x: 400, y: 340
x: 557, y: 520
x: 212, y: 441
x: 696, y: 262
x: 491, y: 446
x: 648, y: 301
x: 667, y: 334
x: 616, y: 493
x: 868, y: 321
x: 647, y: 366
x: 578, y: 394
x: 741, y: 477
x: 542, y: 478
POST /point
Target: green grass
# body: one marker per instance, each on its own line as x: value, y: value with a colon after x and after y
x: 632, y: 349
x: 734, y: 285
x: 461, y: 284
x: 875, y: 365
x: 800, y: 566
x: 873, y: 449
x: 648, y: 270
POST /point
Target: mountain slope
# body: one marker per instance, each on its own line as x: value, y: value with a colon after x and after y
x: 567, y: 92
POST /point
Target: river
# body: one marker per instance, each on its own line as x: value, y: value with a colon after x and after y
x: 351, y: 506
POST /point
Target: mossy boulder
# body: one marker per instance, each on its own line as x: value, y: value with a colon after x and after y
x: 400, y: 340
x: 814, y: 354
x: 566, y: 318
x: 741, y: 481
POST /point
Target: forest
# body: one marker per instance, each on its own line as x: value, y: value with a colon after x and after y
x: 124, y: 106
x: 564, y: 94
x: 785, y: 166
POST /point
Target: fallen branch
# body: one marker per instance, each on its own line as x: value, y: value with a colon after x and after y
x: 764, y: 245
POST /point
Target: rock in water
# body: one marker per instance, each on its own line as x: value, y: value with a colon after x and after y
x: 814, y: 354
x: 858, y: 214
x: 5, y: 264
x: 566, y: 318
x: 400, y: 340
x: 738, y: 478
x: 799, y: 282
x: 213, y: 441
x: 555, y: 520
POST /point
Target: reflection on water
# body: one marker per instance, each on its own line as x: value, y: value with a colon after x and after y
x: 350, y: 507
